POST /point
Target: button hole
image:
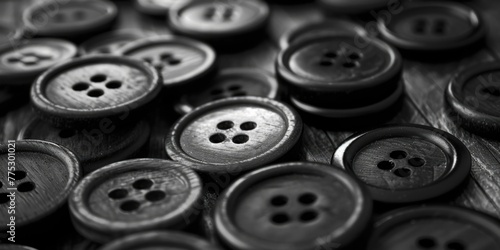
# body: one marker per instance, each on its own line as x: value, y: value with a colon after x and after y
x: 26, y: 187
x: 129, y: 206
x: 398, y: 154
x: 455, y: 245
x: 113, y: 84
x: 98, y: 78
x: 248, y: 126
x: 280, y: 218
x: 225, y: 125
x: 156, y: 195
x: 386, y: 165
x: 307, y: 198
x: 95, y: 93
x: 416, y: 162
x: 142, y: 184
x: 240, y: 139
x: 426, y: 242
x: 117, y: 194
x: 402, y: 172
x: 279, y: 200
x: 350, y: 64
x: 308, y: 216
x: 217, y: 138
x: 19, y: 175
x: 80, y: 86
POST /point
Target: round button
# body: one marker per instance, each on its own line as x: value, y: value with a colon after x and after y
x: 180, y: 60
x: 231, y: 83
x: 71, y: 19
x: 160, y: 240
x: 352, y: 6
x: 111, y: 42
x: 330, y: 27
x: 293, y: 206
x: 94, y: 147
x: 405, y: 163
x: 156, y: 7
x: 433, y: 27
x: 42, y: 176
x: 218, y: 19
x: 435, y: 227
x: 333, y: 72
x: 20, y: 65
x: 88, y: 89
x: 234, y: 134
x: 134, y: 196
x: 474, y: 96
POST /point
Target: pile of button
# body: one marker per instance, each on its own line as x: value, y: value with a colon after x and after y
x: 240, y: 127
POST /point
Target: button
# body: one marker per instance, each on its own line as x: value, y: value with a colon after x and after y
x: 85, y: 90
x: 160, y: 240
x: 109, y: 43
x: 134, y: 196
x: 330, y: 27
x: 433, y: 27
x: 332, y: 73
x: 436, y: 227
x: 299, y: 205
x: 231, y: 83
x: 405, y: 163
x: 72, y: 20
x: 180, y: 60
x: 474, y: 98
x: 156, y: 7
x: 216, y: 20
x: 42, y: 176
x: 234, y: 135
x: 352, y: 6
x: 94, y: 147
x: 21, y: 65
x: 15, y: 247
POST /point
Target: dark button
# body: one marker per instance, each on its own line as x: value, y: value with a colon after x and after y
x: 330, y: 27
x: 160, y: 240
x: 474, y: 98
x: 94, y: 147
x: 15, y: 247
x: 218, y: 19
x: 293, y: 206
x: 42, y: 177
x: 405, y: 163
x: 20, y: 65
x: 180, y: 60
x: 71, y: 19
x: 85, y: 90
x: 433, y: 27
x: 436, y: 227
x: 156, y: 7
x: 352, y: 6
x: 109, y: 43
x: 234, y: 134
x: 231, y: 83
x: 333, y: 74
x: 134, y: 196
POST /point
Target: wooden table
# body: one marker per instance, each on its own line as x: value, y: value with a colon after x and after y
x: 423, y: 102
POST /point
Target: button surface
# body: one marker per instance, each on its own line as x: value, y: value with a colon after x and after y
x: 405, y: 163
x: 218, y: 19
x: 160, y: 240
x: 293, y: 206
x: 22, y: 64
x: 133, y: 196
x: 474, y: 95
x: 352, y: 6
x: 234, y: 134
x: 435, y: 227
x: 109, y: 43
x: 231, y: 83
x: 156, y: 7
x: 71, y: 19
x: 180, y: 60
x: 88, y: 89
x: 44, y: 175
x: 433, y: 27
x: 94, y: 148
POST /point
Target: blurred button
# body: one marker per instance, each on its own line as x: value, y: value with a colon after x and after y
x: 435, y: 227
x: 156, y: 7
x: 134, y: 196
x: 231, y: 82
x: 111, y: 42
x: 330, y: 27
x: 293, y: 206
x: 69, y: 19
x: 352, y: 6
x: 218, y: 19
x: 331, y: 73
x: 474, y: 95
x: 94, y: 147
x: 85, y: 90
x: 21, y: 64
x: 42, y: 177
x: 181, y: 61
x: 433, y: 27
x: 234, y: 135
x: 405, y: 163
